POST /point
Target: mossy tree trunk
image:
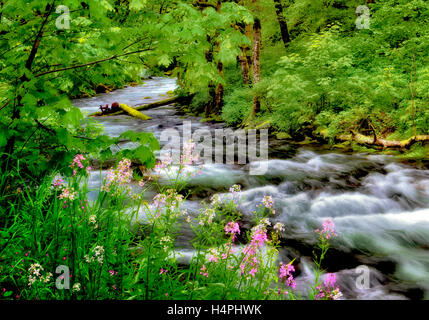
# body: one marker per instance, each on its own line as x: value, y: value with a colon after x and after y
x: 219, y: 88
x: 282, y: 22
x: 256, y: 63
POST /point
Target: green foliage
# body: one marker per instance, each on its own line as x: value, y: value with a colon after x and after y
x: 43, y: 65
x: 337, y: 77
x: 237, y: 106
x: 194, y: 33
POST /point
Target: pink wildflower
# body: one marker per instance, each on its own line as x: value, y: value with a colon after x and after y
x: 188, y: 157
x: 253, y: 271
x: 328, y: 230
x: 267, y: 203
x: 285, y: 273
x: 235, y: 192
x: 204, y: 272
x: 68, y: 193
x: 212, y: 258
x: 58, y: 182
x: 259, y: 237
x: 330, y: 280
x: 329, y: 290
x: 120, y: 176
x: 232, y: 228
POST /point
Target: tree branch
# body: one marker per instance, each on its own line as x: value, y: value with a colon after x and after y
x: 52, y: 131
x: 90, y: 63
x: 36, y: 43
x: 5, y: 104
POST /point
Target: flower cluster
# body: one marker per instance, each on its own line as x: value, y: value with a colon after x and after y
x: 77, y: 165
x: 119, y: 177
x: 76, y: 287
x: 35, y: 274
x: 285, y: 274
x: 328, y: 230
x: 204, y: 271
x: 67, y: 194
x: 188, y: 157
x: 170, y: 197
x: 215, y: 200
x: 236, y: 188
x: 232, y: 228
x: 58, y: 182
x: 235, y: 191
x: 165, y: 242
x: 329, y: 290
x: 267, y: 203
x: 165, y: 163
x: 168, y: 202
x: 206, y: 216
x: 97, y: 254
x: 188, y: 218
x: 279, y: 227
x: 159, y: 200
x: 250, y: 260
x: 93, y: 220
x: 213, y: 255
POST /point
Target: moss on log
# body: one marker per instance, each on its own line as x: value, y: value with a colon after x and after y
x: 133, y: 112
x: 142, y: 107
x: 384, y: 143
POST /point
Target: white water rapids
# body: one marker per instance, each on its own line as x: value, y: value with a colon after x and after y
x: 379, y: 205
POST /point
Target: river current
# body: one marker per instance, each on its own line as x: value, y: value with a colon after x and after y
x: 380, y: 205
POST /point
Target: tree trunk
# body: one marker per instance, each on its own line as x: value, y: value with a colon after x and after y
x: 282, y: 22
x: 244, y: 65
x: 256, y: 62
x: 211, y: 104
x: 219, y: 89
x: 212, y: 90
x: 246, y: 30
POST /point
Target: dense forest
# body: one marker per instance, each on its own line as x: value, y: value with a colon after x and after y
x: 350, y: 74
x: 302, y: 66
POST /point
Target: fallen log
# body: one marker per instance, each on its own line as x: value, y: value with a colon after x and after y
x: 375, y: 141
x: 133, y: 112
x: 142, y: 107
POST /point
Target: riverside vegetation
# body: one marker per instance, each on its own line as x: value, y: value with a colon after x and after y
x: 112, y: 254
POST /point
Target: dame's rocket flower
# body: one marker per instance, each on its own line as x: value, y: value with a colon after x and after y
x: 120, y: 176
x: 285, y: 274
x: 232, y: 228
x: 328, y: 230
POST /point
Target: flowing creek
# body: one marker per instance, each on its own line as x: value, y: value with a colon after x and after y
x: 380, y: 205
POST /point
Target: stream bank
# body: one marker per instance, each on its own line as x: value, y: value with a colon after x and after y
x: 379, y: 204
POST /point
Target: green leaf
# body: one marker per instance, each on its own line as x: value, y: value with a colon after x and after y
x: 137, y: 4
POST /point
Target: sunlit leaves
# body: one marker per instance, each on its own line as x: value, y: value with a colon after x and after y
x: 147, y: 144
x: 40, y: 115
x: 137, y: 4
